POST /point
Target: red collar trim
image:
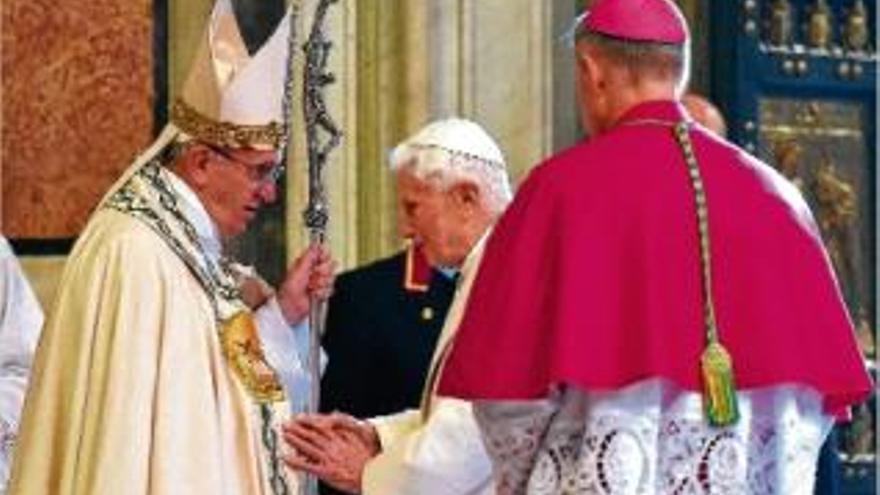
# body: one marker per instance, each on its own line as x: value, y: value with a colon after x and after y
x: 417, y: 275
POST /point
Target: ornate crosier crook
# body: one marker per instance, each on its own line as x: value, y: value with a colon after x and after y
x: 322, y: 135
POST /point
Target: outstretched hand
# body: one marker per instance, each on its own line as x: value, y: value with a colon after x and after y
x: 335, y: 448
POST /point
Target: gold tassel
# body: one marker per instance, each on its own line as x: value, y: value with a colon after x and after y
x: 719, y: 398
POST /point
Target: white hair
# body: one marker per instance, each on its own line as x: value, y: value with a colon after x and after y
x: 444, y: 167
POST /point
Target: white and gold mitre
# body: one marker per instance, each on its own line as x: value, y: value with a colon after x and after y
x: 231, y: 98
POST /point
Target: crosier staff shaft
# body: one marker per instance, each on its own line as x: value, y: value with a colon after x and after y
x: 322, y: 136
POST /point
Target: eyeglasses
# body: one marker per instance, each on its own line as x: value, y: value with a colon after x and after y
x: 258, y: 173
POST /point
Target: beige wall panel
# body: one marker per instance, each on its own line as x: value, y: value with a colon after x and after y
x: 186, y: 24
x: 392, y: 102
x: 77, y: 104
x: 507, y: 75
x: 491, y: 61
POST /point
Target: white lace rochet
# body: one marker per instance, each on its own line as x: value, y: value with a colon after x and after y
x: 651, y: 438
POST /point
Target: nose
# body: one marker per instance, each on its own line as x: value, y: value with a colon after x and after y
x: 268, y: 192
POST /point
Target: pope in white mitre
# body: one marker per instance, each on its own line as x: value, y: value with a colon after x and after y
x: 159, y: 370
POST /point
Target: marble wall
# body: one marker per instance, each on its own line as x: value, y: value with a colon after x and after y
x: 77, y: 104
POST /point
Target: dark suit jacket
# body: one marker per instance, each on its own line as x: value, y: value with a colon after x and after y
x: 380, y: 336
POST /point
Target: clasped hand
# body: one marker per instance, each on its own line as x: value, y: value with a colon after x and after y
x: 333, y: 447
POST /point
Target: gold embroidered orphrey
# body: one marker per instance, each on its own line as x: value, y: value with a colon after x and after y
x: 242, y: 348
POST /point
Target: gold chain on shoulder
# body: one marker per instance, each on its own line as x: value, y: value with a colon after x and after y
x: 719, y: 387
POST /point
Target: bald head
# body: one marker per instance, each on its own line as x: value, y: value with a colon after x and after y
x: 705, y: 113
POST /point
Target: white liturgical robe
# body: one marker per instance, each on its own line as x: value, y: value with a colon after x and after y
x: 438, y: 450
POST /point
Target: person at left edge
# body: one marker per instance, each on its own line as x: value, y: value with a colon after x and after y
x: 154, y: 375
x: 21, y: 318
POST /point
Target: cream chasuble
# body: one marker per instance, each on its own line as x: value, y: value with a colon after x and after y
x: 131, y: 390
x: 438, y: 450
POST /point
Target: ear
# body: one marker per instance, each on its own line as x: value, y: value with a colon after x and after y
x: 195, y: 164
x: 582, y: 75
x: 592, y: 72
x: 466, y: 194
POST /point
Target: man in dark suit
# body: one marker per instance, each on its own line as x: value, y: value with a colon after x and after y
x: 382, y: 325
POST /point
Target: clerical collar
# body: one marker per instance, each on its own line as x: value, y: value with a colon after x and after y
x: 448, y: 272
x: 195, y: 212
